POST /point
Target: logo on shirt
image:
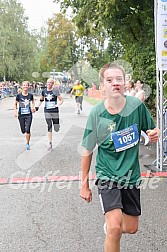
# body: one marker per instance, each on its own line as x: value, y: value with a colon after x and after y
x: 25, y: 102
x: 111, y: 128
x: 49, y: 97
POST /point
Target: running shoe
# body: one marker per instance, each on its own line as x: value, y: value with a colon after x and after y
x: 27, y: 147
x: 50, y: 147
x: 105, y: 228
x: 78, y: 112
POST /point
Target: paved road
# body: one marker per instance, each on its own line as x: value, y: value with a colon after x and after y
x: 51, y: 217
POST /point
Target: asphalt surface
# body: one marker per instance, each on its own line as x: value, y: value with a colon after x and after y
x: 51, y: 217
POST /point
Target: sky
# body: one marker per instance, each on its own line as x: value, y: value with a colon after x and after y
x: 38, y: 11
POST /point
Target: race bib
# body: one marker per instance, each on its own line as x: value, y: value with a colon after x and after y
x: 50, y: 105
x: 25, y: 111
x: 78, y: 91
x: 126, y: 138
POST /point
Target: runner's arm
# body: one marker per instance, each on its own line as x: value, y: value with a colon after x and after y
x: 33, y: 106
x: 85, y: 192
x: 60, y: 99
x: 72, y: 92
x: 39, y: 103
x: 15, y: 108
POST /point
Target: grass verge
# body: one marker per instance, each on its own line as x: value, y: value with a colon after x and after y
x: 91, y: 100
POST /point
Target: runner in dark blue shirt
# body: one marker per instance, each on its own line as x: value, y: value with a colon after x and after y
x: 24, y: 113
x: 52, y: 99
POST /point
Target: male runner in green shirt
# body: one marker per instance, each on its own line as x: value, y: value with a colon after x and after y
x: 114, y: 125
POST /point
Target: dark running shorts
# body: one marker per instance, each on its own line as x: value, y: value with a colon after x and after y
x: 112, y: 197
x: 79, y: 99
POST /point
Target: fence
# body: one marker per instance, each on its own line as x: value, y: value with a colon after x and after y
x: 97, y: 94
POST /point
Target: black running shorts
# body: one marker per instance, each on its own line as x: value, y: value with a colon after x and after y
x: 126, y: 198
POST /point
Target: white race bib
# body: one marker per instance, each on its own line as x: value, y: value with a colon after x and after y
x: 50, y: 104
x: 25, y: 111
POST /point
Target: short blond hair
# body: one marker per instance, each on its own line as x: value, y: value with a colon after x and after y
x: 110, y: 66
x: 25, y: 82
x: 50, y: 80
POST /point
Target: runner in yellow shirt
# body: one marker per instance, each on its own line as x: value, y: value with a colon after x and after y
x: 78, y: 90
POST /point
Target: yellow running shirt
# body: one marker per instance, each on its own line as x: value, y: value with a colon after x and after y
x: 78, y: 89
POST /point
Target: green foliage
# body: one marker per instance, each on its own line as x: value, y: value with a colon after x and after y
x: 129, y: 28
x: 18, y: 47
x: 60, y: 50
x: 126, y: 26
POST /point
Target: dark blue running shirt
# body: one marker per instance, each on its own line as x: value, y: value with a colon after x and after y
x: 24, y: 103
x: 50, y: 98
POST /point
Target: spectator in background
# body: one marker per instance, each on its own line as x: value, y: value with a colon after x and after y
x: 129, y: 88
x: 141, y: 95
x: 19, y: 90
x: 139, y: 90
x: 56, y: 85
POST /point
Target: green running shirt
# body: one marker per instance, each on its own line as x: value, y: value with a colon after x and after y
x: 122, y: 166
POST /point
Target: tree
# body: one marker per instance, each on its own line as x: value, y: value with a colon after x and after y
x: 18, y: 47
x: 127, y: 20
x: 61, y: 50
x: 129, y: 26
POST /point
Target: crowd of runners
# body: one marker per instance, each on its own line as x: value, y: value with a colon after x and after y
x: 25, y: 106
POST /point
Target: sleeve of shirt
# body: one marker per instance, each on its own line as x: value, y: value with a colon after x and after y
x: 90, y: 134
x: 17, y: 98
x: 147, y: 121
x: 56, y: 92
